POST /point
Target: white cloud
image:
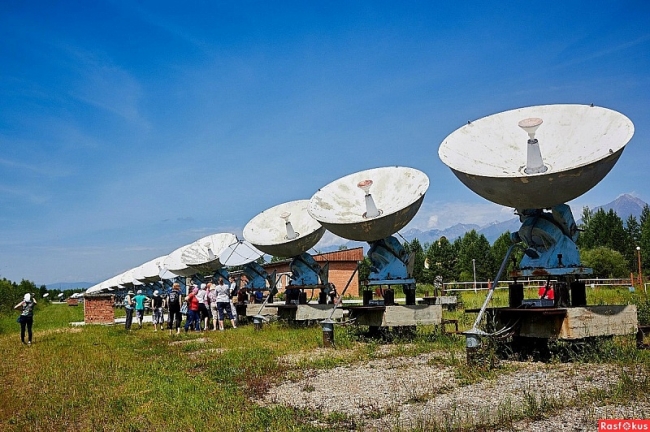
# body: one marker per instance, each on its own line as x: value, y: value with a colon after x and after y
x: 432, y: 222
x: 329, y: 239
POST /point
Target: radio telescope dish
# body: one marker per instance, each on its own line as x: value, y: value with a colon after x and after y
x: 127, y: 278
x: 102, y: 286
x: 97, y: 288
x: 166, y: 274
x: 113, y: 282
x: 370, y: 205
x: 286, y: 230
x: 149, y: 271
x: 203, y: 254
x: 137, y: 275
x: 239, y: 254
x: 175, y: 264
x: 539, y: 156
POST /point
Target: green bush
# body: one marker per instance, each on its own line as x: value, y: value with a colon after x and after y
x: 643, y: 309
x: 12, y: 293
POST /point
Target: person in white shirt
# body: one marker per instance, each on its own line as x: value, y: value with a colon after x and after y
x: 234, y: 290
x: 204, y: 313
x: 223, y: 303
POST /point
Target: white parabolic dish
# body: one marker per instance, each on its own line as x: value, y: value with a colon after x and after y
x: 111, y: 283
x: 197, y: 254
x: 268, y: 231
x: 175, y: 264
x: 126, y: 278
x: 93, y: 289
x: 397, y: 193
x: 240, y: 253
x: 579, y: 145
x: 149, y: 271
x: 166, y: 274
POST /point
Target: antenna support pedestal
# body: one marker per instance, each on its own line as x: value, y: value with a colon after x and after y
x: 306, y: 271
x: 550, y: 239
x: 389, y: 263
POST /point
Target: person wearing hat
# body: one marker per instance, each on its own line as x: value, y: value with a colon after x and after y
x: 26, y: 318
x: 157, y: 306
x: 128, y: 308
x: 139, y: 300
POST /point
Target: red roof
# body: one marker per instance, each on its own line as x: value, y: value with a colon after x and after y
x: 355, y: 254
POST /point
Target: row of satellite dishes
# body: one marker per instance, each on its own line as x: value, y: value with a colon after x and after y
x: 529, y: 158
x: 384, y: 201
x: 207, y: 254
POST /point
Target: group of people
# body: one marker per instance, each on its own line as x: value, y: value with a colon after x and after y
x: 135, y: 302
x: 204, y: 305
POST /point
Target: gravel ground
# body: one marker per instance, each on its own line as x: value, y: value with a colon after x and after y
x: 420, y: 393
x: 584, y: 418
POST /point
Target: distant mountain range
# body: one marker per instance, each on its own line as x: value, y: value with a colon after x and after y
x: 69, y: 285
x: 625, y: 205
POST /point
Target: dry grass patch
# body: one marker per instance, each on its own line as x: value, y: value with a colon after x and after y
x: 58, y: 331
x: 189, y: 341
x: 317, y: 355
x: 213, y: 351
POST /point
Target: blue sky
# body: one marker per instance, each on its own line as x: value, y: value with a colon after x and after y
x: 128, y: 129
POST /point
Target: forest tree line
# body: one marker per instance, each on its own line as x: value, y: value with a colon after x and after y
x: 11, y: 293
x: 606, y: 243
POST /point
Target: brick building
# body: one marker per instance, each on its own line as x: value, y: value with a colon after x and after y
x: 98, y: 309
x: 341, y: 266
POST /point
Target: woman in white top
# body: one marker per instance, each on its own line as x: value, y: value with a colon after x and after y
x: 212, y: 299
x: 233, y: 295
x: 223, y: 303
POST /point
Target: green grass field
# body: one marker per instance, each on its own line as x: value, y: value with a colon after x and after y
x: 103, y: 378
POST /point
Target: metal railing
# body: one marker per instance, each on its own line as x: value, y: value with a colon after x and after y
x: 529, y: 283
